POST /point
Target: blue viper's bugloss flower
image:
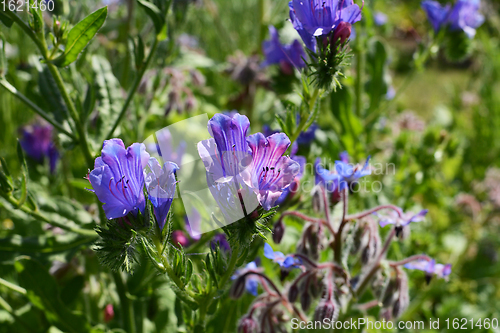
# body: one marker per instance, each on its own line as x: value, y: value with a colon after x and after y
x: 270, y: 172
x: 252, y: 281
x: 118, y: 178
x: 287, y: 56
x: 280, y: 258
x: 404, y: 220
x: 38, y: 144
x: 241, y: 168
x: 464, y: 15
x: 160, y: 183
x: 430, y: 268
x: 436, y: 13
x: 314, y: 18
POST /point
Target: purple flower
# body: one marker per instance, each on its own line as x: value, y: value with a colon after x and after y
x: 465, y: 16
x: 38, y: 144
x: 349, y: 173
x: 436, y: 13
x: 251, y: 281
x: 294, y: 185
x: 280, y: 258
x: 165, y: 147
x: 287, y: 56
x: 380, y: 18
x: 315, y: 18
x: 118, y: 178
x: 329, y: 179
x: 193, y: 224
x: 404, y: 220
x: 430, y: 268
x: 270, y: 172
x: 160, y: 183
x: 221, y: 240
x: 241, y: 169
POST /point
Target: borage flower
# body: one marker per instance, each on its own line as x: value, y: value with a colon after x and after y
x: 287, y: 56
x: 38, y: 144
x: 350, y: 173
x: 401, y: 221
x: 160, y: 183
x: 320, y: 18
x: 251, y: 281
x: 287, y: 262
x: 430, y: 268
x: 118, y: 178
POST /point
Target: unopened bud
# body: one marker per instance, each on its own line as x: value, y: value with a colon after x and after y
x: 286, y: 67
x: 326, y: 309
x: 179, y: 238
x: 305, y: 300
x: 109, y: 313
x: 293, y: 293
x: 342, y: 32
x: 248, y: 325
x: 238, y: 288
x: 278, y: 231
x: 317, y: 200
x: 403, y: 299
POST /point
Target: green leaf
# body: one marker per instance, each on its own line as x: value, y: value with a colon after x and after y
x: 43, y: 244
x: 109, y: 96
x: 24, y: 174
x: 154, y: 13
x: 80, y: 36
x: 43, y: 293
x: 51, y: 94
x: 6, y: 20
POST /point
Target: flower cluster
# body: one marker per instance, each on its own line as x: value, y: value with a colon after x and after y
x: 331, y: 282
x: 245, y: 171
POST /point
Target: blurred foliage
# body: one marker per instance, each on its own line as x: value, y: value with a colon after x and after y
x: 434, y: 143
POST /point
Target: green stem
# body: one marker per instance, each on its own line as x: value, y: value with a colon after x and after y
x: 126, y: 304
x: 12, y: 286
x: 37, y: 215
x: 135, y: 85
x: 39, y: 40
x: 303, y: 120
x: 80, y: 126
x: 10, y: 88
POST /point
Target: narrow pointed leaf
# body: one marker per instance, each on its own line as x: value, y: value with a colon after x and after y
x: 80, y: 36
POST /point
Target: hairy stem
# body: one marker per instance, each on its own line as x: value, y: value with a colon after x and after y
x: 10, y: 88
x: 127, y: 307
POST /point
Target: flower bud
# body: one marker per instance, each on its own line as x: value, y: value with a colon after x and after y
x: 403, y: 299
x: 326, y: 309
x: 305, y: 300
x: 248, y: 325
x: 293, y: 293
x: 342, y: 32
x: 109, y: 313
x: 317, y: 200
x: 179, y: 238
x: 278, y: 231
x: 238, y: 288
